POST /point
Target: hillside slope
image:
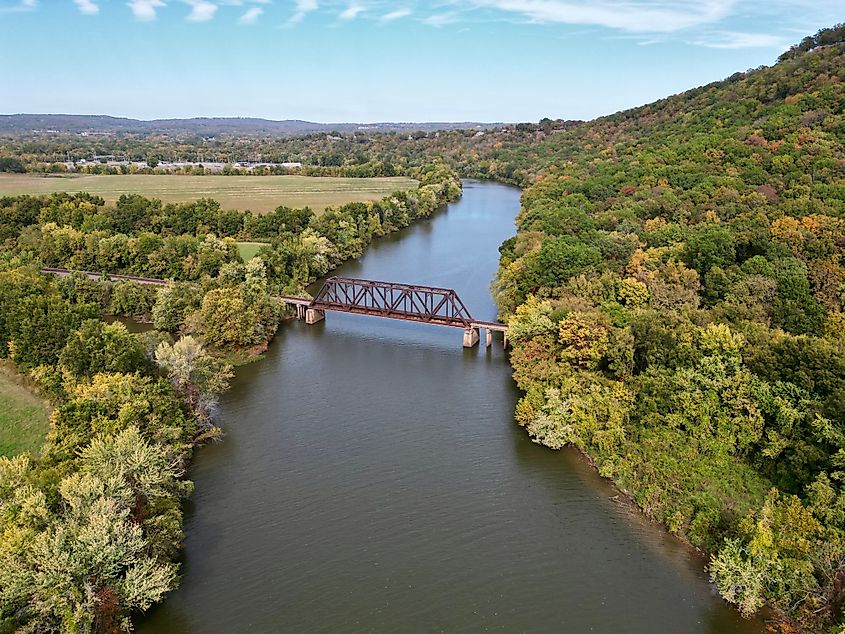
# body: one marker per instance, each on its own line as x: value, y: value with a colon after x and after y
x: 676, y: 297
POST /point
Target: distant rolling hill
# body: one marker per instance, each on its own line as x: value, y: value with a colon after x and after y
x: 208, y: 126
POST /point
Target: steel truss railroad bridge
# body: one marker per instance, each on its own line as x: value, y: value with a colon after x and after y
x: 425, y: 304
x: 409, y: 302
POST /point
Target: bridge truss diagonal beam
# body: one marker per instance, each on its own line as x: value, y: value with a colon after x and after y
x: 410, y: 302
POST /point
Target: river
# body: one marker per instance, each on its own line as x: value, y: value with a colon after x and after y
x: 373, y: 480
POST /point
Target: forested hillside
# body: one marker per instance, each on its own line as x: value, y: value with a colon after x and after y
x: 676, y: 298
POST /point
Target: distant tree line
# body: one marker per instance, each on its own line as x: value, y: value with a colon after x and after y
x: 824, y: 37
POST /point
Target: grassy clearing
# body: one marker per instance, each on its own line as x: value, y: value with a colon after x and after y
x: 23, y: 416
x: 249, y: 250
x: 258, y: 193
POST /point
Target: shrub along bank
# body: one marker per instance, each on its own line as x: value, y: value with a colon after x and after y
x: 90, y: 528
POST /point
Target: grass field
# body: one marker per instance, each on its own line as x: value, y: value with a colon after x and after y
x: 23, y: 416
x: 258, y: 193
x: 249, y: 250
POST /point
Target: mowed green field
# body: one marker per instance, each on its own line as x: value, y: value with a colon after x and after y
x: 23, y: 416
x: 258, y: 193
x: 248, y: 250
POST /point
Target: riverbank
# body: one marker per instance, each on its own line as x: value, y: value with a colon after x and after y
x: 678, y: 395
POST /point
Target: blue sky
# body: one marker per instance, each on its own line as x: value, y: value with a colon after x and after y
x: 379, y: 60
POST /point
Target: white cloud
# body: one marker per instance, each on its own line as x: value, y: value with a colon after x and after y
x: 395, y: 15
x: 351, y: 12
x: 145, y: 10
x: 718, y: 24
x: 251, y: 15
x: 201, y: 10
x: 734, y: 40
x: 641, y: 16
x: 441, y: 19
x: 87, y: 7
x: 303, y: 8
x: 19, y: 7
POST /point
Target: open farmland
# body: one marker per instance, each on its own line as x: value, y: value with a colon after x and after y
x: 257, y: 193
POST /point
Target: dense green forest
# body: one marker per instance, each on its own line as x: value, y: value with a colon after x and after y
x: 676, y: 298
x: 90, y: 528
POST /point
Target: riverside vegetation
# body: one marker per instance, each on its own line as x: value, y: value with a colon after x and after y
x: 90, y: 528
x: 676, y: 301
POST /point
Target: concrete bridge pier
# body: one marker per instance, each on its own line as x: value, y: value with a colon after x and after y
x: 488, y: 340
x: 313, y: 315
x: 300, y: 311
x: 470, y: 337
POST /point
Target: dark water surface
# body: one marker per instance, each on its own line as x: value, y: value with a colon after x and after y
x: 373, y: 479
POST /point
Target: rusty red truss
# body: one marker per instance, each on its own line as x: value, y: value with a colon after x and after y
x: 425, y: 304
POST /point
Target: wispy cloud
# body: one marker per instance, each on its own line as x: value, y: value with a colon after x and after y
x: 19, y: 7
x: 351, y: 12
x: 442, y: 19
x: 303, y: 8
x: 251, y: 15
x: 717, y: 24
x: 734, y: 40
x: 642, y: 16
x: 201, y: 10
x: 145, y: 10
x: 87, y: 7
x: 395, y: 15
